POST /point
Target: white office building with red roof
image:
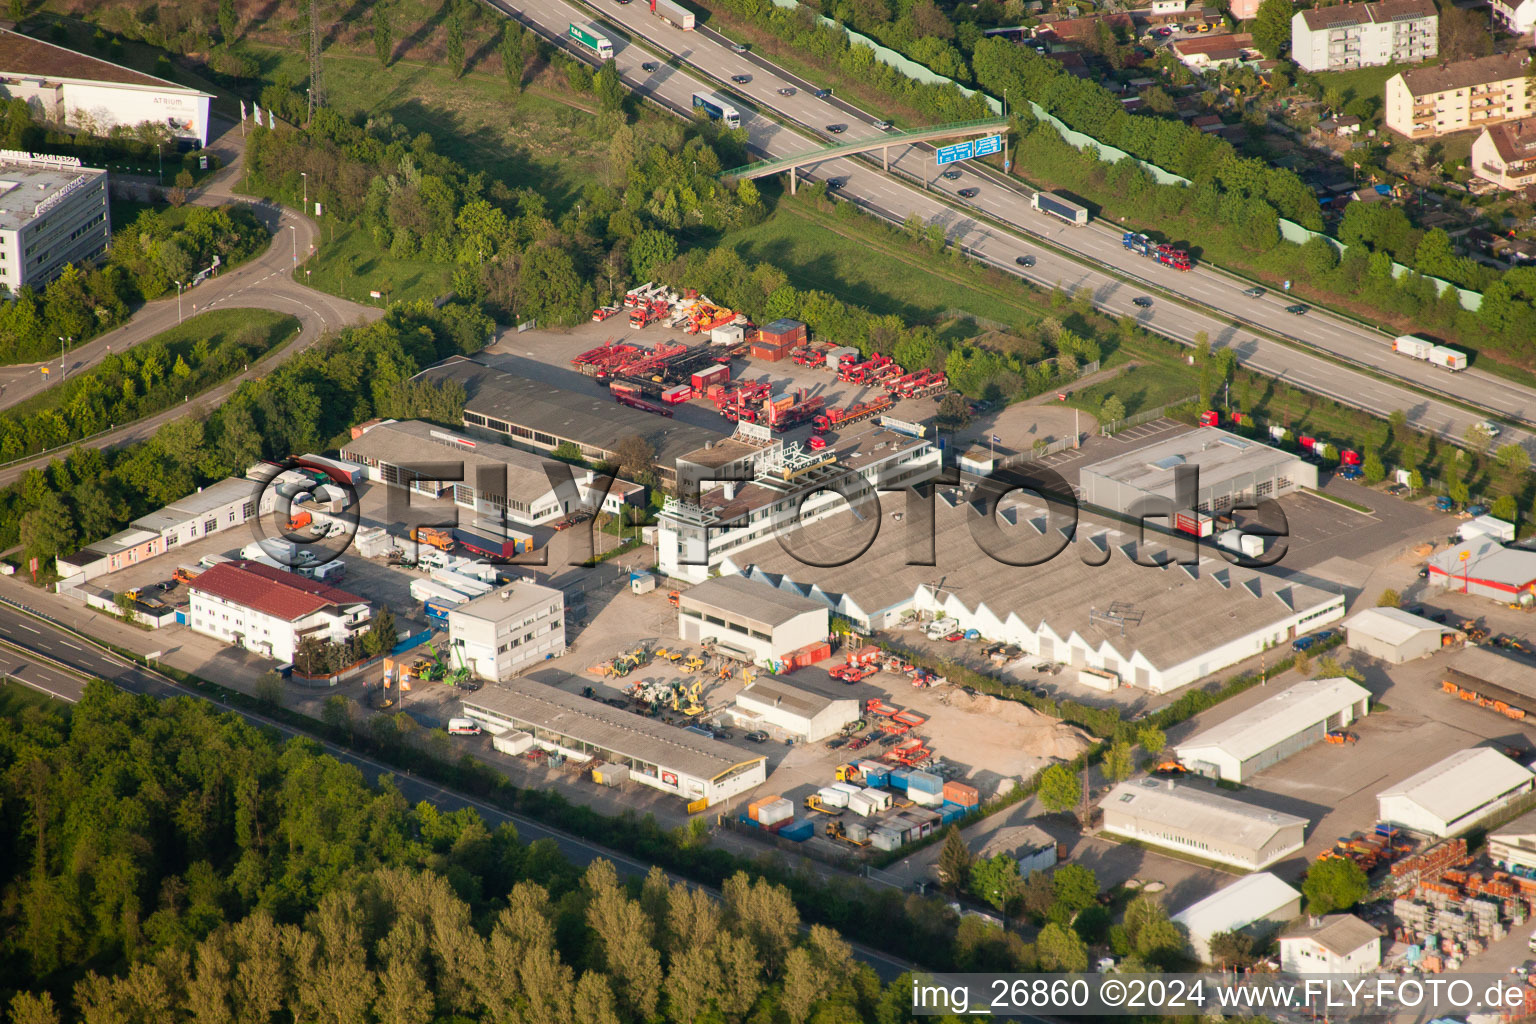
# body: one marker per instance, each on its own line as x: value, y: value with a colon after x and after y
x: 268, y: 611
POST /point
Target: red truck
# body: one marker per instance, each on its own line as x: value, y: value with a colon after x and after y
x: 835, y: 418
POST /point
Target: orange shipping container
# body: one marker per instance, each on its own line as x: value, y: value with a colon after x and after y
x: 759, y: 802
x: 960, y: 793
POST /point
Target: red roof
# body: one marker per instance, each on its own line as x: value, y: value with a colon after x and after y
x: 270, y: 591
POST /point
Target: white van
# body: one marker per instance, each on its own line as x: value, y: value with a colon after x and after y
x: 463, y: 727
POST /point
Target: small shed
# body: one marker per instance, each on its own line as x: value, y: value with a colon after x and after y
x: 1395, y: 636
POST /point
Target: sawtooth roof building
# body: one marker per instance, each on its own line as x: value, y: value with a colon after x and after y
x: 1456, y: 793
x: 1195, y: 820
x: 1154, y: 627
x: 1274, y: 729
x: 657, y: 755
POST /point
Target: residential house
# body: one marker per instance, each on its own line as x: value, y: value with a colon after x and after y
x: 1505, y: 154
x: 1423, y: 103
x: 1349, y: 36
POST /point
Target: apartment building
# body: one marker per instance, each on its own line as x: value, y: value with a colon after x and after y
x: 1505, y: 154
x: 497, y: 635
x: 1423, y: 103
x: 1517, y: 17
x: 1365, y: 35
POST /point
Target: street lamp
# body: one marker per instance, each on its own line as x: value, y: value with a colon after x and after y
x: 63, y: 347
x: 293, y: 234
x: 178, y: 302
x: 305, y: 176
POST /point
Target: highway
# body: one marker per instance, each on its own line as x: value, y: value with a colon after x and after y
x: 672, y: 83
x: 59, y: 663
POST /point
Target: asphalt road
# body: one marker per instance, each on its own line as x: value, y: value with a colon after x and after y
x: 673, y: 83
x: 35, y: 653
x: 263, y: 282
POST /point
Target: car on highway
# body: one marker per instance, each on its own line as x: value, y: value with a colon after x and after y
x: 787, y: 91
x: 649, y: 66
x: 951, y: 175
x: 823, y: 94
x: 833, y: 184
x: 836, y: 129
x: 1254, y: 293
x: 1490, y: 428
x: 738, y: 47
x: 741, y: 79
x: 1024, y: 261
x: 968, y: 193
x: 1296, y: 310
x: 884, y: 126
x: 1142, y: 301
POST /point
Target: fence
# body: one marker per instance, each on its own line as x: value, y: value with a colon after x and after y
x: 1145, y: 416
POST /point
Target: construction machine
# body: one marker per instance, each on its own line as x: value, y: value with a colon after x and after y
x: 836, y: 830
x: 693, y: 664
x: 813, y: 803
x: 672, y: 656
x: 1341, y: 737
x: 673, y: 597
x: 1170, y: 768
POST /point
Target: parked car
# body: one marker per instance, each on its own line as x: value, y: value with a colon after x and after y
x: 1351, y: 472
x: 1025, y: 261
x: 1423, y: 572
x: 1397, y: 489
x: 757, y: 736
x: 1477, y: 510
x: 1302, y: 644
x: 1142, y: 301
x: 968, y: 193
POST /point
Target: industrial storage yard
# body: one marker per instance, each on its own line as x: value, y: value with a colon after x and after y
x: 723, y: 689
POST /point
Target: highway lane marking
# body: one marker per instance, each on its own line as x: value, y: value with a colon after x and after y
x: 66, y: 643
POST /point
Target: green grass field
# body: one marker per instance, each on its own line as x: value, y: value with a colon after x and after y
x: 16, y: 698
x: 1140, y: 385
x: 831, y: 253
x: 352, y: 266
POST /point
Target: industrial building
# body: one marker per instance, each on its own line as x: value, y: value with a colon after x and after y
x: 1256, y: 905
x: 1232, y: 470
x: 1455, y: 793
x: 1274, y: 729
x: 1395, y: 636
x: 748, y: 619
x: 502, y: 405
x: 699, y: 770
x: 789, y: 487
x: 1352, y: 35
x: 501, y: 485
x: 793, y: 711
x: 1032, y: 847
x: 1334, y: 944
x: 53, y: 211
x: 269, y: 611
x: 1483, y: 567
x: 1196, y: 820
x: 94, y: 95
x: 1091, y: 605
x: 498, y: 634
x: 1512, y: 847
x: 1482, y: 674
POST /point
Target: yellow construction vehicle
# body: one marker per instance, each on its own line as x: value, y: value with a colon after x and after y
x: 694, y: 707
x: 836, y: 831
x: 662, y: 652
x: 813, y: 803
x: 693, y: 664
x: 847, y: 773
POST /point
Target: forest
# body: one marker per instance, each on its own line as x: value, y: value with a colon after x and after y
x: 171, y: 864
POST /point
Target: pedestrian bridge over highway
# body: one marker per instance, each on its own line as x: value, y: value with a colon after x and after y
x: 959, y: 129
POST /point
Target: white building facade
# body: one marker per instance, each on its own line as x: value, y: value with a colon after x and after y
x: 752, y: 620
x: 268, y: 611
x: 1456, y: 793
x: 1349, y: 35
x: 498, y: 635
x: 1336, y: 944
x: 1273, y: 729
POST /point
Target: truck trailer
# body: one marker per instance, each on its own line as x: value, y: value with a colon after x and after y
x: 1447, y: 358
x: 591, y: 40
x: 673, y: 14
x: 1048, y: 202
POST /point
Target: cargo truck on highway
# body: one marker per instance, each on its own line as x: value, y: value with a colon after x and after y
x: 1067, y: 210
x: 717, y: 109
x: 591, y: 39
x: 1448, y: 358
x: 1439, y: 355
x: 673, y: 14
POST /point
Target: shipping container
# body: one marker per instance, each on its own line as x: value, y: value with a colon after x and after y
x: 706, y: 379
x: 925, y: 799
x: 925, y: 782
x: 961, y: 793
x: 642, y: 582
x: 753, y: 805
x: 425, y: 590
x: 1199, y: 524
x: 798, y: 831
x: 677, y: 393
x: 1449, y: 358
x: 782, y: 332
x: 880, y: 797
x: 863, y: 804
x: 776, y: 811
x: 339, y: 471
x: 951, y: 814
x: 898, y: 778
x: 832, y: 797
x: 466, y: 585
x: 875, y: 774
x: 730, y: 334
x: 513, y: 743
x: 436, y: 610
x: 836, y: 356
x: 769, y: 354
x: 885, y: 839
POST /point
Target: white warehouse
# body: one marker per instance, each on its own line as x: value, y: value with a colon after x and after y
x: 749, y: 619
x: 1456, y: 793
x: 1195, y: 820
x: 498, y: 634
x: 1255, y: 905
x: 268, y: 611
x: 791, y: 711
x: 1274, y: 729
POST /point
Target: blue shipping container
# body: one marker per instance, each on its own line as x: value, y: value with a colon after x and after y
x: 925, y: 782
x: 874, y: 776
x: 951, y: 814
x: 800, y: 831
x: 898, y: 779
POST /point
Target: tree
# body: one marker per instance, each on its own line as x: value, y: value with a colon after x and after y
x: 954, y: 412
x: 1059, y: 949
x: 1389, y: 599
x: 48, y: 530
x: 1456, y: 490
x: 1334, y: 884
x: 1512, y: 458
x: 609, y: 87
x: 1415, y: 480
x: 1112, y: 411
x: 1152, y: 936
x: 336, y: 713
x: 1504, y: 508
x: 1059, y: 788
x: 996, y: 880
x: 1075, y: 887
x: 382, y: 635
x: 1272, y: 27
x: 383, y: 35
x: 510, y: 50
x: 1478, y: 438
x: 1118, y: 762
x: 1232, y: 950
x: 229, y: 22
x: 955, y: 860
x: 453, y: 44
x: 18, y: 10
x: 1152, y: 739
x: 269, y: 688
x: 1372, y: 468
x: 650, y: 251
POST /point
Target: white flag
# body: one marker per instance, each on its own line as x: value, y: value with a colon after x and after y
x: 271, y: 118
x: 258, y: 114
x: 242, y: 111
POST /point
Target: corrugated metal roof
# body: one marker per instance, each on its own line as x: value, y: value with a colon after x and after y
x: 1199, y: 811
x: 751, y: 600
x: 1461, y: 783
x: 1277, y: 719
x: 1243, y: 902
x: 1390, y: 625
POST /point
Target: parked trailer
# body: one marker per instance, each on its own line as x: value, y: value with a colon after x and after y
x: 1072, y: 213
x: 1448, y: 358
x: 643, y: 406
x: 1200, y: 524
x: 673, y: 14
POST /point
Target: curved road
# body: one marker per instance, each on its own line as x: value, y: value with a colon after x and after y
x: 263, y: 282
x: 672, y: 83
